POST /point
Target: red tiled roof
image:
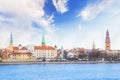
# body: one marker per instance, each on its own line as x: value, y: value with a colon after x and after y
x: 15, y: 48
x: 44, y: 48
x: 23, y: 48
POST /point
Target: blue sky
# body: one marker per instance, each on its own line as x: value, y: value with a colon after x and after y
x: 67, y: 23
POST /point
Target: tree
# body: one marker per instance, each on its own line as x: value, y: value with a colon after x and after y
x: 83, y: 55
x: 65, y: 53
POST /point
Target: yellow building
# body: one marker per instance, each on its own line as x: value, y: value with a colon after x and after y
x: 21, y: 56
x: 18, y: 52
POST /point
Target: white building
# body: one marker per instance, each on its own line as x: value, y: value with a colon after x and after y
x: 47, y: 52
x: 43, y: 51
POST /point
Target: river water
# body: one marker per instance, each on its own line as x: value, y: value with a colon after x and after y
x: 60, y: 72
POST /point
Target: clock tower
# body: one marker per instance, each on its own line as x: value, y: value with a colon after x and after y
x: 107, y: 41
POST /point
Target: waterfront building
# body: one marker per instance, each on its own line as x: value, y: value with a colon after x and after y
x: 70, y: 55
x: 78, y: 53
x: 43, y: 51
x: 17, y: 52
x: 21, y: 56
x: 31, y: 51
x: 59, y: 54
x: 107, y: 42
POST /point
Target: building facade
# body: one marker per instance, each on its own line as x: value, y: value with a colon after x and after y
x: 21, y: 56
x: 47, y: 52
x: 43, y: 51
x: 18, y: 52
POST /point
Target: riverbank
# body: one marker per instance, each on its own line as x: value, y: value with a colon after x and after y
x: 70, y: 62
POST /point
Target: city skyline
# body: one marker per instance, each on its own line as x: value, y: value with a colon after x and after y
x: 43, y: 42
x: 65, y: 23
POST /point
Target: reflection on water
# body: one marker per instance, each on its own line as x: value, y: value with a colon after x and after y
x: 60, y: 72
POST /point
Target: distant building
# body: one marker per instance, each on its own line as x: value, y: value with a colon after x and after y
x: 21, y: 56
x: 62, y: 53
x: 70, y: 55
x: 31, y: 51
x: 43, y: 51
x: 79, y: 52
x: 18, y: 52
x: 107, y: 42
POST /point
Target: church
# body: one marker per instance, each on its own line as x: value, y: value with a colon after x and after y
x: 18, y: 52
x: 43, y: 51
x: 31, y: 52
x: 107, y: 42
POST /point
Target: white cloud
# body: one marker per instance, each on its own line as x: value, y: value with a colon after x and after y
x: 60, y: 5
x: 25, y: 11
x: 96, y: 28
x: 93, y: 30
x: 92, y: 10
x: 17, y: 16
x: 28, y: 10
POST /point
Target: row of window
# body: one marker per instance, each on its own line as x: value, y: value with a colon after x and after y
x: 21, y: 57
x: 45, y: 55
x: 44, y: 51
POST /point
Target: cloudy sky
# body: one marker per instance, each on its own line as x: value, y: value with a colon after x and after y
x: 67, y: 23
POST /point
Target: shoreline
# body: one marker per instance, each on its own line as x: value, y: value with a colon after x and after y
x: 38, y: 62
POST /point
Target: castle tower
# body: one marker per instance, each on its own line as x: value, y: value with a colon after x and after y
x: 43, y: 40
x: 11, y: 42
x: 107, y: 41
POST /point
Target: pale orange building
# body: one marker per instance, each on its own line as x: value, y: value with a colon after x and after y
x: 21, y: 56
x: 18, y: 52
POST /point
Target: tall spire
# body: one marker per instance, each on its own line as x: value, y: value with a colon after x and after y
x: 107, y: 33
x: 43, y: 40
x: 107, y: 41
x: 93, y: 47
x: 11, y: 40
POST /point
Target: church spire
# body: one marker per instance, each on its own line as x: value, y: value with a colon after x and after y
x: 107, y: 41
x: 93, y: 47
x: 11, y: 40
x: 107, y: 33
x: 43, y: 40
